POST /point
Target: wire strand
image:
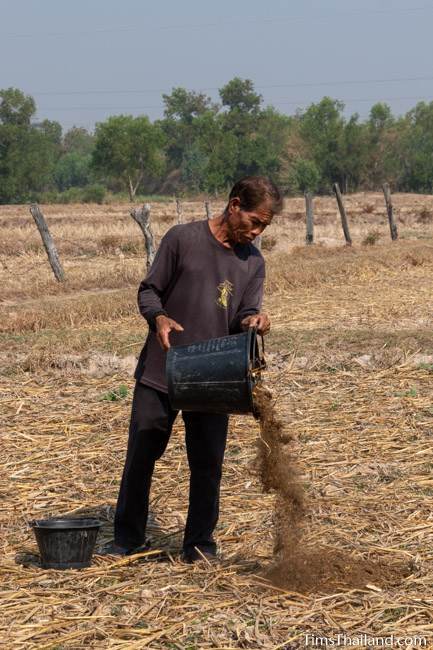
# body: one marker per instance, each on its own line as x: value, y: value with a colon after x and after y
x: 223, y: 23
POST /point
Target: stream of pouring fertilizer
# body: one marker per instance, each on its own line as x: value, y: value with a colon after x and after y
x: 279, y: 473
x: 297, y: 566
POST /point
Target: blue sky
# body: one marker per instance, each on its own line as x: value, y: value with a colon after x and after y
x: 85, y: 60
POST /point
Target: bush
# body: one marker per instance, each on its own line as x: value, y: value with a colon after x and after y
x: 72, y: 195
x: 268, y: 242
x: 371, y: 238
x: 123, y: 197
x: 72, y: 170
x: 94, y: 194
x: 304, y: 177
x: 116, y: 394
x: 48, y: 197
x: 110, y: 243
x: 425, y: 216
x: 131, y: 247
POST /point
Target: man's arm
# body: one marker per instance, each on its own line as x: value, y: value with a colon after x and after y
x: 161, y: 275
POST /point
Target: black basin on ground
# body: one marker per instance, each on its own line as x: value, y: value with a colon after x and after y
x: 66, y: 543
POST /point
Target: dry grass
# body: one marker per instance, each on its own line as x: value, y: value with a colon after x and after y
x: 365, y: 448
x: 351, y: 361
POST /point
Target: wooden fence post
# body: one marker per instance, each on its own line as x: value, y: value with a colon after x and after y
x: 309, y: 239
x: 142, y: 217
x: 343, y: 216
x: 207, y: 208
x: 390, y: 211
x: 48, y: 242
x: 179, y: 211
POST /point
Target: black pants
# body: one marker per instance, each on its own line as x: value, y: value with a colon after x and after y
x: 149, y: 432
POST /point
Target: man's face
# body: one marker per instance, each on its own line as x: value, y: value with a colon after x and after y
x: 244, y: 226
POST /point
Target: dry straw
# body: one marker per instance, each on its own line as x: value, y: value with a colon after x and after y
x: 367, y: 469
x: 352, y: 390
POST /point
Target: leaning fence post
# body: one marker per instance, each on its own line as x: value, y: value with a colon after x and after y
x: 48, y: 242
x: 390, y: 211
x: 343, y: 216
x: 179, y: 211
x: 142, y: 217
x: 309, y: 239
x: 207, y: 208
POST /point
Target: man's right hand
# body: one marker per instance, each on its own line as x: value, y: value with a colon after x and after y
x: 164, y: 325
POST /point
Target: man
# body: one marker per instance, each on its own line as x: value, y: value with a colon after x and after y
x: 206, y: 281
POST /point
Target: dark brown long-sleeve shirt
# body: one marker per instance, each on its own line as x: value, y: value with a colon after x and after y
x: 202, y: 285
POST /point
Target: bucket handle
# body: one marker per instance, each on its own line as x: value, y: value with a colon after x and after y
x: 263, y: 346
x: 261, y: 358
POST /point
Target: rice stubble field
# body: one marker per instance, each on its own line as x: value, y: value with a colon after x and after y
x: 350, y: 361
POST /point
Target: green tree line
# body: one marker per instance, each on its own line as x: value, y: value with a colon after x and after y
x: 200, y: 146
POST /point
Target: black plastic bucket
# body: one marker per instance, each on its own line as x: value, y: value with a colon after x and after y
x: 66, y: 543
x: 215, y: 376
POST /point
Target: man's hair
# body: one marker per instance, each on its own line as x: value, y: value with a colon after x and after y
x: 252, y: 191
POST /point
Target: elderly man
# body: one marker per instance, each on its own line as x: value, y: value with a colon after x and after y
x: 206, y: 281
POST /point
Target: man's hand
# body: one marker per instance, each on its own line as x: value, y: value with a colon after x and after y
x: 261, y: 321
x: 164, y: 325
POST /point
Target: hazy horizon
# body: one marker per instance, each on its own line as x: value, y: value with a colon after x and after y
x: 87, y: 61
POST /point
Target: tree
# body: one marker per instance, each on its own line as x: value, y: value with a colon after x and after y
x: 183, y: 108
x: 73, y: 170
x: 16, y: 108
x: 219, y: 153
x: 380, y: 118
x: 304, y: 177
x: 353, y: 154
x: 78, y: 140
x: 52, y: 130
x: 194, y: 164
x: 27, y: 152
x: 260, y: 134
x: 322, y: 127
x: 242, y: 105
x: 184, y: 105
x: 268, y: 144
x: 239, y: 95
x: 416, y: 147
x: 26, y: 163
x: 203, y: 152
x: 380, y: 135
x: 128, y: 149
x: 210, y: 149
x: 221, y: 171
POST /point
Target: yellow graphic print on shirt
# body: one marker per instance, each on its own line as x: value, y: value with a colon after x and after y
x: 225, y: 290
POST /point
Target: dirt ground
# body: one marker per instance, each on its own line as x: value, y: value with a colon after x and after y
x: 350, y: 361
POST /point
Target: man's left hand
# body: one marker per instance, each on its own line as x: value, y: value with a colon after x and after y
x: 261, y: 321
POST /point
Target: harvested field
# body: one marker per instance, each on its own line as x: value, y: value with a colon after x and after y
x: 351, y: 366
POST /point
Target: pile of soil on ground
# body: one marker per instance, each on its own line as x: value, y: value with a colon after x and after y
x: 296, y: 566
x: 328, y: 571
